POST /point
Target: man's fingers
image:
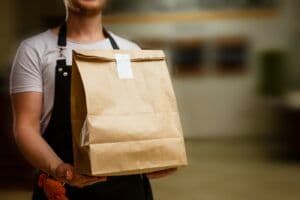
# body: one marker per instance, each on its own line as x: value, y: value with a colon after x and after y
x: 87, y: 183
x: 62, y: 170
x: 161, y: 174
x: 102, y: 178
x: 82, y: 181
x: 93, y: 179
x: 158, y: 175
x: 69, y: 175
x: 163, y: 171
x: 65, y: 173
x: 94, y: 182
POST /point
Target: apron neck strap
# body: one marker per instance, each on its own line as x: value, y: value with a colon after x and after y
x: 111, y: 39
x: 62, y: 37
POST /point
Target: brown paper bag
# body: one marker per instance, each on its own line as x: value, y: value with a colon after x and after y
x: 124, y: 113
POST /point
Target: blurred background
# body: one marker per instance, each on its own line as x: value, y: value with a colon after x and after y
x: 235, y: 70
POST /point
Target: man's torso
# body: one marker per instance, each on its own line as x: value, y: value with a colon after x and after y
x: 34, y: 66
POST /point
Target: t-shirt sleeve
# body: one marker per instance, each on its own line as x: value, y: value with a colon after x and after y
x: 26, y: 75
x: 135, y: 46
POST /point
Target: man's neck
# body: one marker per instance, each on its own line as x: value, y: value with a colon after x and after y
x: 85, y: 28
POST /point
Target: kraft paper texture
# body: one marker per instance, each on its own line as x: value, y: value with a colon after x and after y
x: 124, y: 126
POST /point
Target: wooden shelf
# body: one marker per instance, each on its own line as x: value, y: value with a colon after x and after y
x: 190, y: 16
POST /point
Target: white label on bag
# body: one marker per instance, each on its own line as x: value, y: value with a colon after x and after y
x: 124, y: 66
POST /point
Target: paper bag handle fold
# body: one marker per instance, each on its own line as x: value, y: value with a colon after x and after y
x: 109, y: 56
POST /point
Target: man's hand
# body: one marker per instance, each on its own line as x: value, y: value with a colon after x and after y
x: 161, y: 174
x: 65, y: 173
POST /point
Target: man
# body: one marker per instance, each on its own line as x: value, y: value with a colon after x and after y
x: 40, y: 92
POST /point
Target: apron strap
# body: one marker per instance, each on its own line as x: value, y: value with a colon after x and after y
x: 111, y: 39
x: 62, y: 37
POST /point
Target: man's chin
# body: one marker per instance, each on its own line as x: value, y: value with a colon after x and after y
x: 89, y: 8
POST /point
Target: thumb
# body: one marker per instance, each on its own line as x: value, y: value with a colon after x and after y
x: 65, y: 171
x: 69, y: 174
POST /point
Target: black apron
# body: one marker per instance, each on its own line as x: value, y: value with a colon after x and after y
x: 59, y: 136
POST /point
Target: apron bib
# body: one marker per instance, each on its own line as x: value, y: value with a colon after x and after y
x: 58, y: 135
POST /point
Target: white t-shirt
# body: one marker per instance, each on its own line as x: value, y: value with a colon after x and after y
x: 34, y: 65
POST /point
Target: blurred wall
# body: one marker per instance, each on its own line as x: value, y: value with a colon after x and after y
x: 213, y: 106
x: 7, y: 33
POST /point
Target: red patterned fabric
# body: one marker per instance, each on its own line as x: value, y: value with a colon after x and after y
x: 53, y: 189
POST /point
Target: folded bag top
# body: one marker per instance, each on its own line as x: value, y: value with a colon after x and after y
x: 124, y: 113
x: 110, y: 55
